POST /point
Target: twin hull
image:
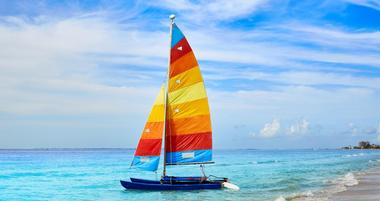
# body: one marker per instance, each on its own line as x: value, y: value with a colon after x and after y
x: 173, y: 183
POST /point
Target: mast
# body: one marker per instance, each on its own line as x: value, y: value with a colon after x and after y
x: 171, y: 17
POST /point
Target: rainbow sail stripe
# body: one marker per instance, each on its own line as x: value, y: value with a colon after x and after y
x: 147, y: 155
x: 188, y: 124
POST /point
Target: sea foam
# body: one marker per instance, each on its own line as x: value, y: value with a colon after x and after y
x: 280, y: 199
x: 348, y: 180
x: 337, y: 185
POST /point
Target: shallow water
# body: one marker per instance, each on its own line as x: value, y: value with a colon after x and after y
x: 94, y: 174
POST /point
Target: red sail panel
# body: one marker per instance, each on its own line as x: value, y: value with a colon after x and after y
x: 196, y: 141
x: 180, y: 49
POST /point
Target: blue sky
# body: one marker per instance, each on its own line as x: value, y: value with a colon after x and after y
x: 279, y: 73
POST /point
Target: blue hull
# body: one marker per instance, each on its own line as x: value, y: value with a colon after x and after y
x: 135, y: 180
x: 157, y: 186
x: 180, y: 180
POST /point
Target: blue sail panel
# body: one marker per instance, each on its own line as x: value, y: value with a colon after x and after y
x: 149, y: 163
x: 194, y: 156
x: 177, y: 35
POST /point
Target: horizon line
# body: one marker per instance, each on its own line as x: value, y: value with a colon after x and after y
x: 119, y: 148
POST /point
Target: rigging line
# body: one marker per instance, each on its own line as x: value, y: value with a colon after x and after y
x: 170, y: 144
x: 202, y: 170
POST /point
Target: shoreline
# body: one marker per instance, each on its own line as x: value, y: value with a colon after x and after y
x: 358, y: 186
x: 367, y: 189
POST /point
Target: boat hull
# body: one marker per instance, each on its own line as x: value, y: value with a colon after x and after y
x: 181, y: 180
x: 175, y: 183
x: 135, y: 180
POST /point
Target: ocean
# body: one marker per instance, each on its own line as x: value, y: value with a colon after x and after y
x: 94, y: 174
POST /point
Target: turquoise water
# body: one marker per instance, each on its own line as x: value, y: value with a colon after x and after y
x: 94, y: 174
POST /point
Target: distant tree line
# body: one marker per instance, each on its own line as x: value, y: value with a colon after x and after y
x: 363, y: 145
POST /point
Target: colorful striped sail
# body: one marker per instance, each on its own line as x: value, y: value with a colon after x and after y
x: 147, y: 155
x: 188, y: 125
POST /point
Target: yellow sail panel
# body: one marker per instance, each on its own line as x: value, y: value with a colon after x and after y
x: 160, y: 99
x: 189, y: 109
x: 156, y: 113
x: 186, y: 94
x: 185, y: 79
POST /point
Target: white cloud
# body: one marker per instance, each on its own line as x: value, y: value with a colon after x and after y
x: 301, y: 77
x: 378, y: 132
x: 270, y: 129
x: 375, y: 4
x: 53, y: 67
x: 354, y: 130
x: 252, y: 134
x: 69, y: 49
x: 329, y: 36
x: 64, y: 56
x: 212, y: 10
x: 283, y: 46
x: 296, y: 101
x: 298, y: 128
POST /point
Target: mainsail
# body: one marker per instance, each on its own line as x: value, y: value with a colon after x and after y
x: 147, y: 155
x: 188, y: 126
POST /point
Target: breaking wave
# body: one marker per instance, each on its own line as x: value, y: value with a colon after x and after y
x: 353, y: 155
x: 335, y: 186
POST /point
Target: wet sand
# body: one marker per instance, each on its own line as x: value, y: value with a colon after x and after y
x: 368, y: 188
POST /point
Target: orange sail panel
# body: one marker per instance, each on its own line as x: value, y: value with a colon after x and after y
x: 147, y: 155
x: 188, y: 124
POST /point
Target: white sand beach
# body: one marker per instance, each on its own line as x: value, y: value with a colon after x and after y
x: 363, y: 186
x: 368, y: 188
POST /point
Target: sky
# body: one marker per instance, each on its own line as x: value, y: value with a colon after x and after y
x: 279, y: 73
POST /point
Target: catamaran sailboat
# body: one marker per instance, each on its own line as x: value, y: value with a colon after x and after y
x: 180, y: 113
